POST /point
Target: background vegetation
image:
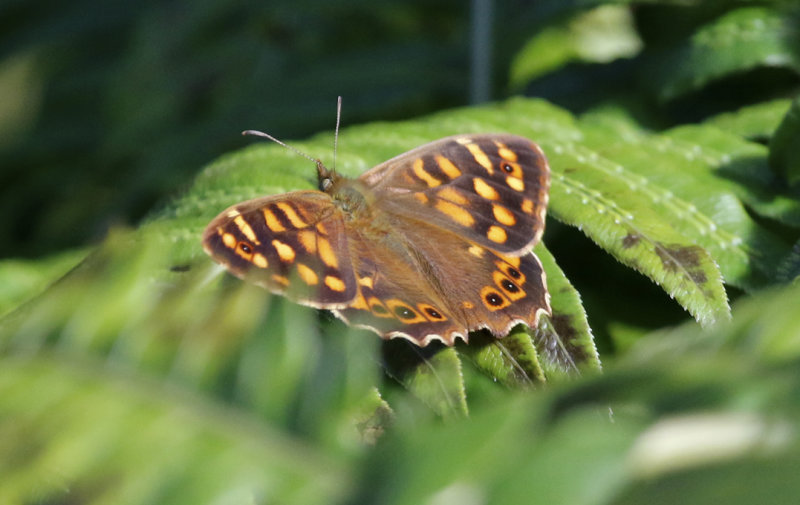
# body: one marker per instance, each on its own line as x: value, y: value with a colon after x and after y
x: 133, y: 371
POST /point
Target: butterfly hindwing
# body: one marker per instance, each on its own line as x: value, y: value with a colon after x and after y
x: 440, y: 286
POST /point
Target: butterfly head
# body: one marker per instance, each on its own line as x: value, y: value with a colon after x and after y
x: 326, y: 178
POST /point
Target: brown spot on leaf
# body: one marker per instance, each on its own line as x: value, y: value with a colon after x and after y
x: 630, y: 240
x: 569, y: 334
x: 687, y: 258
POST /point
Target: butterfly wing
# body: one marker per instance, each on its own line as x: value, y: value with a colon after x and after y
x: 490, y: 189
x: 292, y: 244
x: 431, y: 284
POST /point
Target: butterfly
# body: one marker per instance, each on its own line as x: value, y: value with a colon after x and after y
x: 429, y: 245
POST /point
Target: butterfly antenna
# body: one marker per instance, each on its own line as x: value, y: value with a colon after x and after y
x: 268, y: 136
x: 336, y: 131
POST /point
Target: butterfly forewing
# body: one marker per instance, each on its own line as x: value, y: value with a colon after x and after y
x: 489, y: 189
x: 293, y: 244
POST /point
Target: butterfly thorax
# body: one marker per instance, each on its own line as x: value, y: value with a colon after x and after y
x: 348, y: 194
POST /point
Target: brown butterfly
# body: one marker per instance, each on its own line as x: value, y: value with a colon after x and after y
x: 429, y: 245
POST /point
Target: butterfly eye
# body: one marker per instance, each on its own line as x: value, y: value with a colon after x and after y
x: 245, y: 248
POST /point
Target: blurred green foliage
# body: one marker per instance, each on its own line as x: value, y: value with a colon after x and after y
x: 145, y: 375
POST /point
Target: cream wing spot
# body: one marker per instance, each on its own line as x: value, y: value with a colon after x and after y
x: 485, y: 190
x: 447, y: 166
x: 260, y: 261
x: 359, y: 302
x: 419, y: 170
x: 515, y: 183
x: 245, y: 228
x: 280, y: 279
x: 451, y: 194
x: 456, y: 213
x: 527, y: 206
x: 497, y: 234
x: 307, y: 274
x: 476, y: 251
x: 308, y: 239
x: 291, y: 215
x: 334, y: 283
x: 326, y: 253
x: 284, y: 250
x: 505, y: 153
x: 480, y: 157
x: 503, y: 215
x: 272, y: 221
x: 228, y: 239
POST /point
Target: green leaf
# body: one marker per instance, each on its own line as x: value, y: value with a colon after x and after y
x: 599, y: 35
x: 753, y: 122
x: 432, y: 374
x: 21, y: 280
x: 564, y: 342
x: 789, y: 268
x: 740, y: 40
x: 512, y: 360
x: 615, y: 208
x: 95, y: 434
x: 741, y: 167
x: 764, y: 327
x: 691, y: 406
x: 205, y: 332
x: 699, y: 176
x: 783, y: 153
